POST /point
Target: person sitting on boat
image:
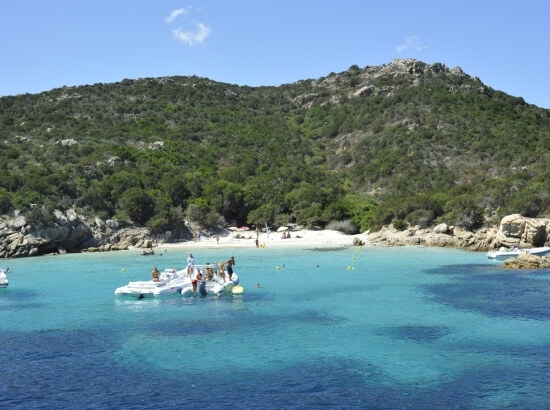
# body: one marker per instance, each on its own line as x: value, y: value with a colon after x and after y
x: 155, y: 274
x: 209, y: 272
x: 190, y: 264
x: 230, y: 262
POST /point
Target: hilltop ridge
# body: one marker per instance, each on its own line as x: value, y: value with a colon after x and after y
x: 406, y: 143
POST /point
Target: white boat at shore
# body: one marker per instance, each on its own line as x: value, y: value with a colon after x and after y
x: 505, y: 253
x: 170, y: 281
x: 4, y: 278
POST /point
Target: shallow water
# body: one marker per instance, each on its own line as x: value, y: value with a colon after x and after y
x: 351, y: 328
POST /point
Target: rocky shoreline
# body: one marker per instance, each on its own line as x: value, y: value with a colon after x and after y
x: 70, y: 232
x: 513, y: 231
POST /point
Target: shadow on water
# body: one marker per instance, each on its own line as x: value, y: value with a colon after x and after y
x: 77, y: 363
x: 494, y: 291
x: 328, y: 249
x: 224, y: 323
x: 415, y: 333
x: 17, y: 299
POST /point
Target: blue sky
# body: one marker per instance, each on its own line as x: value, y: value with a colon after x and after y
x: 49, y: 44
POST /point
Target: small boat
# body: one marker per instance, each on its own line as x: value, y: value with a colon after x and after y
x: 505, y: 253
x: 4, y: 278
x: 147, y: 252
x: 169, y: 282
x: 213, y: 284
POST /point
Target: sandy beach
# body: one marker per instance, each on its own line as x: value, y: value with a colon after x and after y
x: 247, y: 239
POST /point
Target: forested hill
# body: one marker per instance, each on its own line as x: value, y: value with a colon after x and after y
x: 406, y: 142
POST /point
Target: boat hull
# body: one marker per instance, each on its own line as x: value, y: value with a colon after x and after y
x: 513, y: 253
x: 171, y: 282
x: 3, y: 279
x: 210, y: 288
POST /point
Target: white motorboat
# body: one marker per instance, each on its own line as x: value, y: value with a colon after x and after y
x: 169, y: 282
x: 4, y: 278
x: 213, y: 286
x: 505, y: 253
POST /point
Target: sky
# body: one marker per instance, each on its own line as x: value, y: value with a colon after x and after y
x: 55, y: 43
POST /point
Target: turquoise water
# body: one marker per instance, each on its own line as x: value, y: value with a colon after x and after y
x: 349, y: 328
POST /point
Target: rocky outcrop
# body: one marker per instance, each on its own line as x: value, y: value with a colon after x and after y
x: 527, y: 261
x: 440, y: 236
x: 69, y: 232
x: 513, y: 231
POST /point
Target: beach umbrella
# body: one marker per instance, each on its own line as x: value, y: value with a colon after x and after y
x: 282, y: 228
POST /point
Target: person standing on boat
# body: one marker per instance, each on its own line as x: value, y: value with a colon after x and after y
x: 190, y: 264
x: 230, y: 262
x: 196, y: 280
x: 221, y: 271
x: 202, y: 284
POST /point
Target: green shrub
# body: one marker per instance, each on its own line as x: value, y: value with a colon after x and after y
x: 346, y: 226
x: 421, y: 217
x: 399, y: 224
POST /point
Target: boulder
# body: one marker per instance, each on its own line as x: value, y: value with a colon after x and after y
x: 441, y: 228
x: 527, y: 261
x: 18, y: 222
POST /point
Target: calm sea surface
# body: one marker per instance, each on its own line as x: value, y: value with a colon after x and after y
x: 350, y: 328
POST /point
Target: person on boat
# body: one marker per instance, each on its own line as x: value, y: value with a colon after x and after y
x: 197, y: 279
x: 209, y: 272
x: 202, y: 284
x: 190, y: 264
x: 221, y: 271
x: 155, y: 274
x: 230, y: 262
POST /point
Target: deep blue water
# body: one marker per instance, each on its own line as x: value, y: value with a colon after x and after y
x: 354, y: 328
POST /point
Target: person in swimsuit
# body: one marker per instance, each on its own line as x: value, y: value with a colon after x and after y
x: 230, y: 262
x: 155, y: 274
x: 190, y: 264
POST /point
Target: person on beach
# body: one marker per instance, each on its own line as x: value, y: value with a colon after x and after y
x: 155, y: 274
x: 190, y: 264
x: 230, y: 262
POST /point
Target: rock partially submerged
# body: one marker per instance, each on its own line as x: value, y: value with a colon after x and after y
x: 527, y: 261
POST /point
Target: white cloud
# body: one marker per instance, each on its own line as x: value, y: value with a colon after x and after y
x: 412, y: 43
x: 192, y: 37
x: 175, y: 13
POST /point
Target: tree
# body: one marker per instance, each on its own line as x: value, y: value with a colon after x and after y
x: 138, y: 204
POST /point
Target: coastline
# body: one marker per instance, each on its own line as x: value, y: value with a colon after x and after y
x: 247, y: 239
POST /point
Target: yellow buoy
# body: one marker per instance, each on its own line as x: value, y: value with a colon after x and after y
x: 123, y: 270
x: 277, y: 268
x: 237, y: 290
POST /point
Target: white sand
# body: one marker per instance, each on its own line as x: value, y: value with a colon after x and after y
x: 301, y: 238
